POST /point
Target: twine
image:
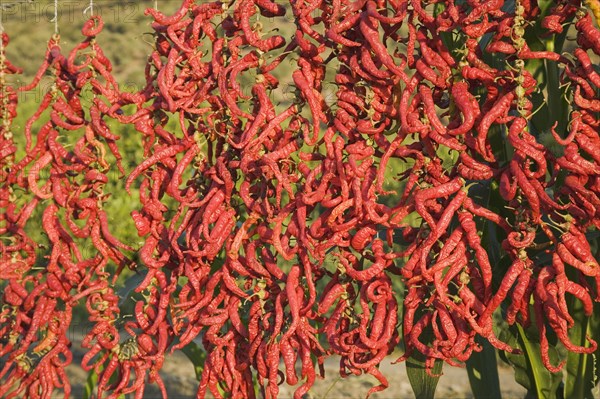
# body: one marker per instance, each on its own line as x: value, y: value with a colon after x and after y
x: 90, y: 9
x: 55, y: 19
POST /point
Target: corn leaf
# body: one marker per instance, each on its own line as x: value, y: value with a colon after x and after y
x: 582, y: 373
x: 90, y: 384
x: 482, y: 369
x: 422, y: 382
x: 197, y: 356
x: 529, y: 369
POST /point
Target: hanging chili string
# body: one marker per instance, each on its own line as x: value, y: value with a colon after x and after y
x: 264, y: 227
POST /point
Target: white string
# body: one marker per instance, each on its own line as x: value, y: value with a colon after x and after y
x: 90, y: 9
x: 156, y: 5
x: 55, y: 19
x: 2, y: 44
x: 5, y: 117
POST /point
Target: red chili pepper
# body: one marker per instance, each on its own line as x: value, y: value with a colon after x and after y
x: 589, y: 35
x: 500, y: 107
x: 441, y: 191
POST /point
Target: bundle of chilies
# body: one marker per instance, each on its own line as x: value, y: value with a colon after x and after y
x: 270, y: 233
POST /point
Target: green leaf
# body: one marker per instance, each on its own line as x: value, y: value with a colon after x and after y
x: 197, y: 356
x: 482, y: 369
x: 423, y: 384
x: 595, y: 329
x: 557, y: 102
x: 528, y: 366
x: 131, y: 284
x: 555, y: 107
x: 546, y: 383
x: 90, y: 384
x: 541, y: 121
x: 446, y: 37
x: 217, y: 264
x: 502, y: 149
x: 582, y: 372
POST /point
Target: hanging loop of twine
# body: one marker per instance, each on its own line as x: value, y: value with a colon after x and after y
x: 55, y: 19
x: 89, y: 9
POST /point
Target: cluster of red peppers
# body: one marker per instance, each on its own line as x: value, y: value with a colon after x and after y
x: 270, y: 232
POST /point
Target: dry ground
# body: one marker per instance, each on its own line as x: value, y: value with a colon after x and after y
x: 179, y: 378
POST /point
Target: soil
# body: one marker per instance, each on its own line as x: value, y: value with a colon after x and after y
x: 179, y: 378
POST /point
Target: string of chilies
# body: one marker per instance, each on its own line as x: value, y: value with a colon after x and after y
x: 70, y: 192
x: 266, y: 226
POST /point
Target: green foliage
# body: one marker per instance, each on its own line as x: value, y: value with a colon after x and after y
x: 197, y: 356
x: 423, y: 383
x: 530, y: 372
x: 482, y: 370
x: 90, y: 383
x: 582, y: 369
